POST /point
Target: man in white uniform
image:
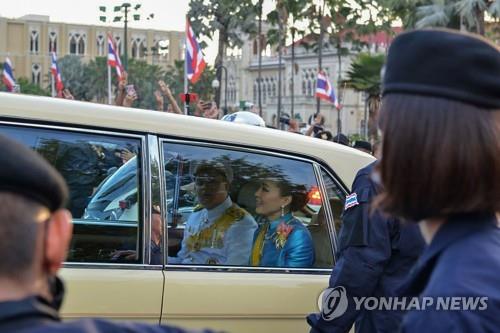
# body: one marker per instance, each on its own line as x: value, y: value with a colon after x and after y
x: 218, y: 232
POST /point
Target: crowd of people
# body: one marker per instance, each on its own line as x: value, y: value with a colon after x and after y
x: 439, y: 166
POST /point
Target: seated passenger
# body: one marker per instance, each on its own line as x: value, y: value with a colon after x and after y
x: 281, y: 240
x: 218, y: 232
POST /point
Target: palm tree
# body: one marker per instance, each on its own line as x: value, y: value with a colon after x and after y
x: 469, y: 14
x: 365, y: 75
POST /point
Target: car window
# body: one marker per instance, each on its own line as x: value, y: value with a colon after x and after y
x: 103, y: 177
x: 239, y: 208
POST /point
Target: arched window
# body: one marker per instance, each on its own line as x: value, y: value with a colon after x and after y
x: 138, y: 47
x: 100, y: 45
x: 255, y: 96
x: 118, y: 43
x: 81, y: 46
x: 34, y: 47
x: 270, y: 84
x: 52, y: 41
x: 77, y: 43
x: 273, y: 87
x: 255, y: 47
x: 263, y: 91
x: 35, y: 74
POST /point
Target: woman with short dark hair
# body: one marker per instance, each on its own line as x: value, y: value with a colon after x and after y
x: 440, y: 165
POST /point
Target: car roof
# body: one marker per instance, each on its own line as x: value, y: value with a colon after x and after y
x: 344, y: 160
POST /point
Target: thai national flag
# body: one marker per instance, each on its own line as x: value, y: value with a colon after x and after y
x: 114, y: 57
x: 8, y: 76
x: 56, y: 75
x: 324, y: 89
x: 194, y: 57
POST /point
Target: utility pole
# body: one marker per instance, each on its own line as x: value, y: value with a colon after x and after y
x: 126, y: 6
x: 280, y: 57
x: 320, y: 52
x: 293, y: 74
x: 259, y: 48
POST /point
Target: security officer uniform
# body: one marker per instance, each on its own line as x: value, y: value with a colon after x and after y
x: 25, y: 173
x: 375, y: 256
x: 466, y: 250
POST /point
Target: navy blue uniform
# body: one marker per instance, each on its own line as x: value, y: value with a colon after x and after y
x: 462, y: 260
x: 375, y: 256
x: 34, y: 315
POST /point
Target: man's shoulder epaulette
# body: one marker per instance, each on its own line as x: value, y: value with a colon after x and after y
x: 236, y: 212
x: 197, y: 208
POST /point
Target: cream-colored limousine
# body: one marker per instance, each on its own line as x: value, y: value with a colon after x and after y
x: 135, y: 193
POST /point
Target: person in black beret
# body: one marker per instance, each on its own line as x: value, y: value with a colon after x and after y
x: 341, y: 139
x: 364, y: 146
x: 440, y: 166
x: 35, y: 233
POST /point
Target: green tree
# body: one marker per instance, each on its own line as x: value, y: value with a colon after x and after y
x: 229, y: 18
x: 365, y: 75
x: 145, y: 78
x: 174, y: 77
x: 31, y: 89
x: 456, y: 13
x: 95, y: 76
x: 73, y: 76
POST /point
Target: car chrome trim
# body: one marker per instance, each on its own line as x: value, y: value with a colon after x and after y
x: 327, y: 210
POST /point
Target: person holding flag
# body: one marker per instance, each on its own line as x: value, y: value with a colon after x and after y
x: 8, y: 76
x: 324, y: 90
x: 194, y: 64
x: 114, y: 61
x: 57, y: 84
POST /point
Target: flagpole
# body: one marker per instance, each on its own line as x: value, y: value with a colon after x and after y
x: 186, y: 88
x: 109, y: 85
x: 53, y: 86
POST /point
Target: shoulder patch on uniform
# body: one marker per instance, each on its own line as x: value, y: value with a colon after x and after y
x: 351, y: 201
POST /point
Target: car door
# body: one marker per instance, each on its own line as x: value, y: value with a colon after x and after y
x: 108, y: 272
x: 244, y: 297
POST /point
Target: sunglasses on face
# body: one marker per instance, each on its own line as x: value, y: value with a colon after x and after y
x: 207, y: 180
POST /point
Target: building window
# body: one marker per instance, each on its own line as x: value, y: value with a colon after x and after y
x: 34, y: 47
x: 35, y: 74
x: 77, y: 43
x: 118, y: 43
x: 138, y: 47
x: 52, y: 41
x: 161, y: 50
x: 100, y: 45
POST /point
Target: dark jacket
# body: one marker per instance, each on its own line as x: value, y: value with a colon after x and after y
x: 375, y: 256
x: 34, y: 315
x: 463, y: 260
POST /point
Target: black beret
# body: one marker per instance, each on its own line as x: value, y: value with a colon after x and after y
x: 342, y: 139
x: 24, y: 172
x: 444, y: 63
x: 362, y: 145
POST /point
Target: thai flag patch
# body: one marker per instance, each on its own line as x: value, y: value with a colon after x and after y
x: 351, y: 201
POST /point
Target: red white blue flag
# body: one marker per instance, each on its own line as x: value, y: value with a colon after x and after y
x: 324, y: 89
x: 194, y: 57
x: 114, y: 57
x: 8, y: 76
x: 56, y: 75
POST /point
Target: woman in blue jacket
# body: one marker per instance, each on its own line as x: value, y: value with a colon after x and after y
x: 440, y: 165
x: 281, y: 240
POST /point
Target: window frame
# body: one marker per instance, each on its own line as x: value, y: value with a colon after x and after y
x: 317, y: 165
x: 144, y: 184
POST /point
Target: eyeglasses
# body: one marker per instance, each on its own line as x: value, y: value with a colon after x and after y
x: 207, y: 181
